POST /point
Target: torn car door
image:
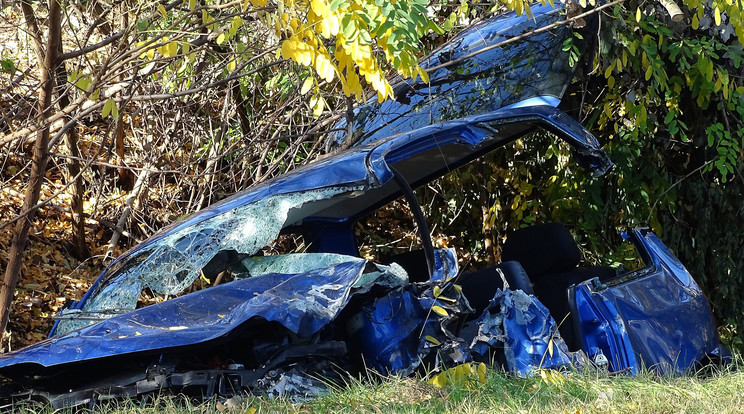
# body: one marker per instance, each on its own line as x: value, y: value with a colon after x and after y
x: 656, y: 317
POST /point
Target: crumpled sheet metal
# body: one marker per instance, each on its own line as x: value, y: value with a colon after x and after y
x: 399, y: 331
x: 303, y: 303
x: 523, y: 326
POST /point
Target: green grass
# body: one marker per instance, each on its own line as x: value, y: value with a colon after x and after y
x: 719, y: 392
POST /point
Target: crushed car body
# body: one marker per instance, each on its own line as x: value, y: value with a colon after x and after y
x: 207, y: 307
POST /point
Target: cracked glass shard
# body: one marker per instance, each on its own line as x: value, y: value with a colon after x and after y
x: 176, y: 261
x: 390, y: 276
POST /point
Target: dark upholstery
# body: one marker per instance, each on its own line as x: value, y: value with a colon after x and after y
x: 550, y: 256
x: 414, y: 263
x: 479, y: 287
x: 542, y: 249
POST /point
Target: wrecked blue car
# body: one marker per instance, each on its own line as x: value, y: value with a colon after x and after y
x: 268, y: 291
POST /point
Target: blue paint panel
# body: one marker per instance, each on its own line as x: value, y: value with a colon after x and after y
x: 303, y: 303
x: 659, y: 312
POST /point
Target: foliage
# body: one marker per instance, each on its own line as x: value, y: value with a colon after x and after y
x: 672, y: 114
x: 570, y: 392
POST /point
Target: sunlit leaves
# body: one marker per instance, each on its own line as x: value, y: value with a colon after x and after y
x: 675, y: 71
x: 307, y: 85
x: 464, y: 375
x: 354, y: 29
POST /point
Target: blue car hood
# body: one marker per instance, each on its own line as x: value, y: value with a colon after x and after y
x: 303, y: 303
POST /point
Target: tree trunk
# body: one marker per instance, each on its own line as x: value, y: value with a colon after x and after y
x: 40, y: 158
x: 80, y: 248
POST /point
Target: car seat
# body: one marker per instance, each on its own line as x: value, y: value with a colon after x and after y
x: 550, y: 256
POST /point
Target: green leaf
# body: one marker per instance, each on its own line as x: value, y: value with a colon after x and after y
x: 348, y: 27
x: 8, y: 66
x: 107, y: 107
x: 83, y: 82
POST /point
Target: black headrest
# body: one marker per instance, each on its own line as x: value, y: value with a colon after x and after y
x: 542, y: 249
x: 480, y: 287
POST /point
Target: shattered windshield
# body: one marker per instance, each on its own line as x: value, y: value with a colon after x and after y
x: 171, y: 265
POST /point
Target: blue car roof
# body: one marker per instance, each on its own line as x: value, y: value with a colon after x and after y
x: 535, y: 68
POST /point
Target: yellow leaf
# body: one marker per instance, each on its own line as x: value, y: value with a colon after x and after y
x: 462, y: 375
x: 245, y: 4
x: 172, y: 48
x: 231, y: 65
x: 319, y: 106
x: 258, y: 3
x: 611, y: 81
x: 192, y: 4
x: 309, y: 82
x: 320, y: 8
x: 423, y: 73
x: 550, y: 347
x: 695, y: 22
x: 221, y: 38
x: 717, y: 14
x: 288, y: 47
x: 334, y: 26
x: 328, y: 71
x: 150, y: 53
x: 439, y: 311
x: 437, y: 291
x: 482, y: 373
x: 162, y: 11
x: 433, y: 340
x: 638, y: 15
